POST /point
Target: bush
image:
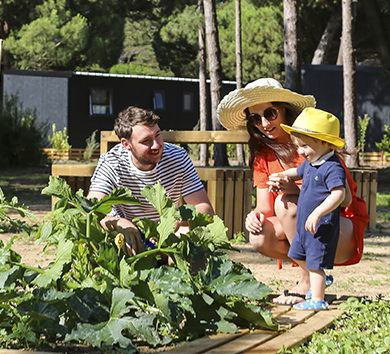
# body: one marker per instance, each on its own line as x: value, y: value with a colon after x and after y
x: 92, y: 144
x: 22, y: 138
x: 59, y: 140
x: 384, y: 145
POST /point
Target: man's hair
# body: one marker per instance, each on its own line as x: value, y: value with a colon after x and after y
x: 130, y: 117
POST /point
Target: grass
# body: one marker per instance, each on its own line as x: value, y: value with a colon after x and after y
x: 383, y: 200
x: 25, y: 184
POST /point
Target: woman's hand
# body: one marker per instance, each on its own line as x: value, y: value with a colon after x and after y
x: 280, y: 183
x: 254, y: 222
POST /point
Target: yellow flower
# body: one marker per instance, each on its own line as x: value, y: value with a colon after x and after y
x: 119, y: 240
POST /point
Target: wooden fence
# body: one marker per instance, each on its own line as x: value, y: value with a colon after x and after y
x: 373, y: 158
x: 71, y: 154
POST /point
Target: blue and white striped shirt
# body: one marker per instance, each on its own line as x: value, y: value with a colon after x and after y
x: 116, y: 169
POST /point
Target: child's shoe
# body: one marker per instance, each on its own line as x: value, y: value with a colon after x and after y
x: 311, y: 305
x: 328, y: 283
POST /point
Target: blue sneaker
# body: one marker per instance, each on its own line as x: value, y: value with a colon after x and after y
x: 311, y: 305
x: 328, y: 283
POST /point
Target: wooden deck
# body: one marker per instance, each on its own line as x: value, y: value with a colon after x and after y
x: 296, y: 327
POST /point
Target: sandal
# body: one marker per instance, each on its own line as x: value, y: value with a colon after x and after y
x: 311, y: 305
x: 286, y: 293
x: 328, y: 282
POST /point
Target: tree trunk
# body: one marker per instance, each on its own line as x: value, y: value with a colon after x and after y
x: 214, y: 55
x: 239, y: 147
x: 327, y: 37
x: 381, y: 36
x: 349, y: 71
x: 203, y: 118
x: 291, y: 49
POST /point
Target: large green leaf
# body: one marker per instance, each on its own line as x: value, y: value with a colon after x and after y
x: 109, y: 333
x: 59, y: 189
x: 6, y: 254
x: 10, y: 278
x: 172, y: 280
x: 90, y: 305
x: 157, y: 196
x: 117, y: 196
x: 218, y: 230
x: 63, y: 256
x: 166, y: 227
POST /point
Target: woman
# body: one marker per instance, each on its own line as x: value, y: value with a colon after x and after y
x: 261, y: 107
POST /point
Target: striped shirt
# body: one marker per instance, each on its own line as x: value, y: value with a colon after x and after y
x: 116, y: 169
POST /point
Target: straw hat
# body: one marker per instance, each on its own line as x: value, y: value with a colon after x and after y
x: 231, y: 110
x: 317, y: 124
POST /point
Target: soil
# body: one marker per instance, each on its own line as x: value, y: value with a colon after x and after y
x: 369, y: 278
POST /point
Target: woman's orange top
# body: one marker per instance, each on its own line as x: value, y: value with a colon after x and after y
x: 268, y: 163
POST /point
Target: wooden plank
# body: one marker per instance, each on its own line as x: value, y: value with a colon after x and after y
x: 206, y: 343
x: 278, y: 310
x: 185, y: 136
x: 238, y: 200
x: 24, y: 351
x: 298, y: 334
x: 293, y: 318
x: 71, y: 181
x: 366, y: 186
x: 244, y: 343
x: 207, y: 137
x: 73, y: 170
x: 372, y: 198
x: 248, y: 188
x: 357, y: 176
x: 229, y: 201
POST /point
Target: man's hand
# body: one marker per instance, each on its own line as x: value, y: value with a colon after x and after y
x: 133, y: 241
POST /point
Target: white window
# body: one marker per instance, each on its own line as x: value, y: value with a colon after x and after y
x: 159, y: 100
x: 187, y: 101
x: 100, y: 101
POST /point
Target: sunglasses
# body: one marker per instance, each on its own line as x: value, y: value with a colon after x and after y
x: 269, y: 113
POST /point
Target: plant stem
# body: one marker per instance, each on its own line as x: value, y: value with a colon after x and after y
x: 150, y: 252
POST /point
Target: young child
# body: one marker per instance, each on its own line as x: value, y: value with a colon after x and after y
x: 316, y: 135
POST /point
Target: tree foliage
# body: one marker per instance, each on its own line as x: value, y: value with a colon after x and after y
x: 262, y: 41
x: 159, y: 37
x: 52, y: 41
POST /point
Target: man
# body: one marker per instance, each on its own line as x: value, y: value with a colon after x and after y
x: 142, y: 158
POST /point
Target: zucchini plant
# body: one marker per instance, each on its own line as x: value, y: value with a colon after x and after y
x: 92, y: 293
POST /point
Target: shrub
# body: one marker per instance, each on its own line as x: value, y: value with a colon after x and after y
x: 92, y: 144
x: 362, y: 130
x: 384, y: 145
x: 22, y: 138
x: 59, y: 140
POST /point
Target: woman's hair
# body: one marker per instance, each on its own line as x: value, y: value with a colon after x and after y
x: 130, y: 117
x: 258, y: 141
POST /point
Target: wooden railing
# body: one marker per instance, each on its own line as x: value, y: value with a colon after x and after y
x: 108, y: 138
x: 71, y: 154
x: 373, y: 158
